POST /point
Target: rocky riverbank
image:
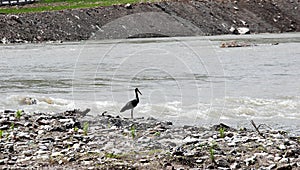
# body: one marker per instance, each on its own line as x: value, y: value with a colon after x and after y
x: 75, y: 140
x: 166, y: 18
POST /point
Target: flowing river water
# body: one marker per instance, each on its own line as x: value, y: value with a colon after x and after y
x: 188, y: 80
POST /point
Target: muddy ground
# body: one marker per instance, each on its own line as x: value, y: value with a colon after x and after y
x: 167, y: 18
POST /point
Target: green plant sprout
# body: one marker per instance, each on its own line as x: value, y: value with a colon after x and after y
x: 12, y: 126
x: 132, y: 131
x: 222, y: 132
x: 112, y: 155
x: 157, y: 134
x: 85, y: 128
x: 18, y: 114
x: 212, y: 151
x: 76, y: 129
x: 1, y: 134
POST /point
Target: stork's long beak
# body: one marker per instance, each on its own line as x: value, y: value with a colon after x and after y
x: 139, y: 91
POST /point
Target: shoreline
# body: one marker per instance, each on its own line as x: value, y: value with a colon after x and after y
x: 158, y: 19
x: 73, y: 140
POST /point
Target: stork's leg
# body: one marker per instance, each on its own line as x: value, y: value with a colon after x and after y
x: 131, y: 113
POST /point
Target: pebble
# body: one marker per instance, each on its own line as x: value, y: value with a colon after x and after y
x: 55, y: 154
x: 277, y: 158
x: 60, y: 162
x: 144, y: 160
x: 282, y: 147
x: 250, y: 161
x: 231, y: 144
x: 284, y: 160
x: 43, y: 147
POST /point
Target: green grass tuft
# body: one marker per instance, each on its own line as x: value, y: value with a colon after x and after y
x: 12, y: 126
x: 112, y: 155
x: 222, y: 132
x: 85, y: 128
x: 57, y: 5
x: 132, y: 131
x: 18, y: 114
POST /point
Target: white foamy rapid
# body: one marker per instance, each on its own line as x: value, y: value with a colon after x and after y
x: 43, y: 104
x: 189, y: 81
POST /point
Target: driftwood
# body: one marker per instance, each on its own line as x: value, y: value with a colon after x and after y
x: 257, y: 128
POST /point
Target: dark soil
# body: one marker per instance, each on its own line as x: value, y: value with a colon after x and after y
x: 168, y: 18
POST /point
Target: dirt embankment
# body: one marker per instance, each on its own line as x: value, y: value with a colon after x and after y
x: 169, y: 18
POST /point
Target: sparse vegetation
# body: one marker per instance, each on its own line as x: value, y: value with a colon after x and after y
x: 222, y: 132
x: 112, y: 155
x: 132, y: 131
x: 56, y: 5
x: 85, y: 128
x: 212, y: 148
x: 12, y: 126
x: 157, y: 134
x: 18, y: 114
x: 76, y: 129
x: 1, y: 133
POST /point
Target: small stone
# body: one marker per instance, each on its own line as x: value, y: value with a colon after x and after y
x: 284, y: 160
x: 3, y: 161
x: 282, y: 147
x: 223, y: 163
x: 11, y: 162
x: 55, y: 154
x: 235, y: 166
x: 60, y: 162
x: 270, y: 157
x: 4, y: 127
x: 199, y: 161
x: 278, y: 136
x: 28, y: 152
x: 65, y: 120
x: 261, y: 155
x: 144, y: 160
x: 41, y: 132
x: 44, y: 157
x: 24, y: 135
x: 3, y: 120
x: 250, y: 161
x: 231, y: 144
x: 128, y: 6
x: 76, y: 146
x: 87, y: 162
x: 272, y: 166
x: 71, y: 159
x: 40, y: 152
x: 24, y: 160
x: 277, y: 158
x: 43, y: 147
x: 285, y: 167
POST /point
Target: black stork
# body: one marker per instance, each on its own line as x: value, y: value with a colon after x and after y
x: 132, y: 104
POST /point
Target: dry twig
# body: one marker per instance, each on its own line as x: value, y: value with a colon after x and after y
x: 256, y: 128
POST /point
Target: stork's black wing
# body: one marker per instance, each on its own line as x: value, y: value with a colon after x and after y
x: 130, y: 105
x: 127, y: 107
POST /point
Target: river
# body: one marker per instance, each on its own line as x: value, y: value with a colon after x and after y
x: 187, y: 80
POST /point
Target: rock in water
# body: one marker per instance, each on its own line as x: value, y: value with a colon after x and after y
x: 239, y: 30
